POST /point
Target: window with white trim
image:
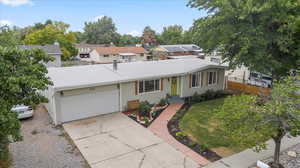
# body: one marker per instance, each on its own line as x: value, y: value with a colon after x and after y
x: 212, y: 78
x: 196, y: 79
x: 149, y: 85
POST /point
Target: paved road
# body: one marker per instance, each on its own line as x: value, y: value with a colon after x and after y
x: 44, y: 146
x: 116, y: 141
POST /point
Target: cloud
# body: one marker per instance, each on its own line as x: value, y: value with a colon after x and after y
x: 97, y: 17
x: 134, y: 33
x: 5, y: 23
x: 16, y: 2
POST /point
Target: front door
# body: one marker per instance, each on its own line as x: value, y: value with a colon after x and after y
x: 174, y: 86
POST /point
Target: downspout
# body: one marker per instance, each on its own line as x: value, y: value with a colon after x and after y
x: 120, y: 97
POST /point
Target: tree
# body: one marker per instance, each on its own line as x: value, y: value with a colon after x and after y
x: 103, y: 31
x: 127, y: 39
x: 172, y: 35
x: 22, y: 77
x: 250, y: 122
x: 9, y: 36
x: 54, y: 33
x: 188, y: 37
x: 251, y: 33
x: 79, y: 37
x: 149, y: 37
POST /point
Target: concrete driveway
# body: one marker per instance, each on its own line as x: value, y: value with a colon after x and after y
x: 114, y: 141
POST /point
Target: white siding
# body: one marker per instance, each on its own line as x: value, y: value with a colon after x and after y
x: 128, y: 93
x: 187, y: 91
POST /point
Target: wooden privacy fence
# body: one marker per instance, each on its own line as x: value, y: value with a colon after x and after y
x: 248, y: 89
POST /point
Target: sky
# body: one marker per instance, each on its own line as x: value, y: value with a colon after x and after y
x: 130, y: 16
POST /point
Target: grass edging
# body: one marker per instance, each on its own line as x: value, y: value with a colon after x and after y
x: 175, y: 131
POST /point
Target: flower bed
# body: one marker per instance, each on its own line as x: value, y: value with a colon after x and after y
x: 143, y: 120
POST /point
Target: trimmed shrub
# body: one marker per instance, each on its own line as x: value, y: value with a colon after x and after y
x: 144, y: 109
x: 197, y: 98
x: 162, y: 102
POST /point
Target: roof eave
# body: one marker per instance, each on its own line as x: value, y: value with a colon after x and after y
x: 57, y: 89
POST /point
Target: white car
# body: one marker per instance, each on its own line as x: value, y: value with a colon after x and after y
x: 23, y: 111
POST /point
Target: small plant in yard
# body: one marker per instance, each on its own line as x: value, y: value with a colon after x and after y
x: 180, y: 135
x: 210, y: 94
x: 162, y: 102
x: 203, y: 148
x: 144, y: 109
x: 196, y: 97
x: 146, y: 121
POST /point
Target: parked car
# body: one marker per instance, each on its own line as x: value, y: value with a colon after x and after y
x: 23, y: 111
x: 259, y: 79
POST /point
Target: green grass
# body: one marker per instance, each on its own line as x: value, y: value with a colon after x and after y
x: 200, y: 125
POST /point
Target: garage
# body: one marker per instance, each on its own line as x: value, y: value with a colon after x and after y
x: 88, y: 102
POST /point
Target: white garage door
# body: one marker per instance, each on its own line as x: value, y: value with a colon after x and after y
x: 86, y: 103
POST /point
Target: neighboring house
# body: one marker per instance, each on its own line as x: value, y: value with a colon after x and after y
x: 52, y: 50
x: 169, y: 51
x: 242, y: 74
x: 85, y: 49
x: 91, y: 90
x: 121, y: 54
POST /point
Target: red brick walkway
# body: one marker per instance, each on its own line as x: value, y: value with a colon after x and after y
x: 159, y: 127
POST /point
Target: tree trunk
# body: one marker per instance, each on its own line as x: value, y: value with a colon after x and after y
x: 280, y: 134
x: 276, y: 163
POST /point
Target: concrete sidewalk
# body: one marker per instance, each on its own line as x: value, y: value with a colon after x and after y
x: 248, y: 157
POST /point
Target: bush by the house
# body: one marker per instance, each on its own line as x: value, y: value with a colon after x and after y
x: 208, y: 95
x: 144, y: 109
x: 197, y: 98
x: 162, y: 102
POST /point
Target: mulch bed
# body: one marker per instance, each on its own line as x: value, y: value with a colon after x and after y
x: 154, y: 116
x: 173, y: 127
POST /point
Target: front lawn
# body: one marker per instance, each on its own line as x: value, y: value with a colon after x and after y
x: 200, y: 125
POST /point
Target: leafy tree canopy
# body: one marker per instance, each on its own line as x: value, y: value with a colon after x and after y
x: 21, y: 79
x: 172, y: 35
x: 52, y: 33
x: 103, y: 31
x: 127, y: 40
x: 251, y: 121
x: 9, y: 36
x: 262, y: 35
x: 149, y: 37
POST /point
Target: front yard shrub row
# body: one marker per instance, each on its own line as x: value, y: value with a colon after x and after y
x: 208, y: 95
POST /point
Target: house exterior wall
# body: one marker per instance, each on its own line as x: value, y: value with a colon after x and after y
x: 128, y: 93
x: 88, y: 102
x: 99, y: 58
x: 128, y: 90
x: 188, y: 91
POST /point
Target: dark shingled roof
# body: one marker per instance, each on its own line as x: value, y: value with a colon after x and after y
x: 50, y: 49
